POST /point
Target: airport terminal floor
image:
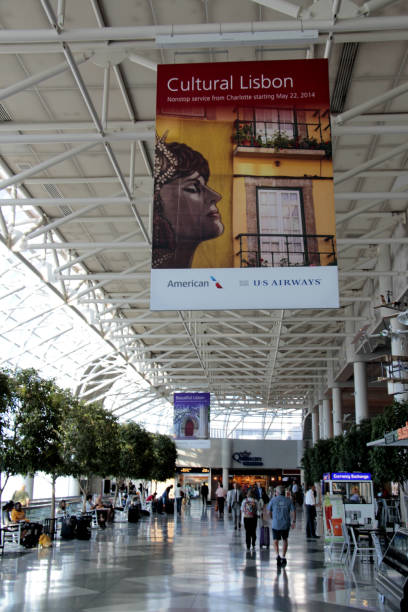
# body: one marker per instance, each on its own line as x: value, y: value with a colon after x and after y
x: 193, y: 562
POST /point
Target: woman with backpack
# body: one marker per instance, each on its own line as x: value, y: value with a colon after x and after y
x: 249, y: 512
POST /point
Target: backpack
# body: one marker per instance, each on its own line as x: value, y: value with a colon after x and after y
x: 31, y: 534
x: 250, y: 509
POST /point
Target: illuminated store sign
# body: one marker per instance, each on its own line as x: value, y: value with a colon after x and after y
x: 192, y: 470
x: 349, y: 476
x: 245, y: 459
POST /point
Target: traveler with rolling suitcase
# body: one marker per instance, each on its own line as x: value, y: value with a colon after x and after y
x: 264, y: 535
x: 283, y: 518
x: 249, y: 512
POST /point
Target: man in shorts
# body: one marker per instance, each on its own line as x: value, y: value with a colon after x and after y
x: 283, y: 515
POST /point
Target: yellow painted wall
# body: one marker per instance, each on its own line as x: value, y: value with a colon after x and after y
x: 325, y: 217
x: 264, y: 164
x: 239, y: 215
x: 213, y: 140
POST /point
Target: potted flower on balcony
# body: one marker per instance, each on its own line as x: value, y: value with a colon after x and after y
x: 310, y: 143
x: 243, y: 134
x: 280, y: 140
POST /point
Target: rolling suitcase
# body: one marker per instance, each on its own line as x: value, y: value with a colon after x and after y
x: 264, y: 537
x: 30, y: 534
x: 83, y: 528
x: 68, y: 528
x: 133, y: 514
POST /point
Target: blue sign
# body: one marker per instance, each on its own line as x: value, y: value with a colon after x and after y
x: 350, y: 476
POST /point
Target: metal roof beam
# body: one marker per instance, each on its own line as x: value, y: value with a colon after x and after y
x: 100, y: 246
x: 103, y: 138
x: 17, y: 179
x: 6, y: 92
x: 149, y: 33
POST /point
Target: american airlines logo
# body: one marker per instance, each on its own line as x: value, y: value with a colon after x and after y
x: 193, y: 284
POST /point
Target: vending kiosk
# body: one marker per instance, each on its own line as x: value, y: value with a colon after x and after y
x: 355, y: 489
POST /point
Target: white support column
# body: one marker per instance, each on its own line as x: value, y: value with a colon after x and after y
x: 328, y: 421
x: 399, y: 369
x: 360, y: 391
x: 226, y: 460
x: 337, y: 411
x: 73, y: 487
x: 321, y: 420
x: 315, y: 424
x: 29, y: 486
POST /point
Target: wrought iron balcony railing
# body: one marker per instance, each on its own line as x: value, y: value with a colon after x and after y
x: 284, y: 250
x: 282, y: 133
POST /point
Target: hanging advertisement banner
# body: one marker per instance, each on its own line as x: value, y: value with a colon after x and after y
x: 191, y: 420
x: 243, y: 187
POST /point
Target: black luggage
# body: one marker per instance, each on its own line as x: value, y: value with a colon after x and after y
x: 31, y: 534
x: 145, y: 512
x: 83, y: 528
x: 68, y: 528
x: 169, y: 506
x: 133, y: 514
x: 264, y: 537
x: 50, y: 527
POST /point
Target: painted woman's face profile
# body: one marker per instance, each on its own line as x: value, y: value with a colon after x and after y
x: 191, y: 208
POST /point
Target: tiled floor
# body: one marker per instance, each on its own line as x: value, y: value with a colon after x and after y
x: 196, y: 562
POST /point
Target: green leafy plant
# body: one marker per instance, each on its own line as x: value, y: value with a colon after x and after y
x: 389, y: 463
x: 243, y: 134
x: 350, y: 452
x: 165, y: 455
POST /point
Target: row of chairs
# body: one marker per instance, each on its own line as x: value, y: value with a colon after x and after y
x: 10, y: 535
x: 352, y: 548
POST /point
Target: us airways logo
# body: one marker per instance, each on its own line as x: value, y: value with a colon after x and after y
x: 217, y: 284
x: 288, y: 282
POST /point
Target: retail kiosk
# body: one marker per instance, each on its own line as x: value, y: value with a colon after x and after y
x: 356, y: 491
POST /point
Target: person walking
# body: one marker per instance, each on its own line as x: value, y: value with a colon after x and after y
x: 204, y: 493
x: 179, y: 494
x: 258, y: 490
x: 310, y: 505
x: 21, y: 496
x: 283, y: 515
x: 249, y: 511
x: 294, y: 491
x: 234, y: 501
x: 220, y: 494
